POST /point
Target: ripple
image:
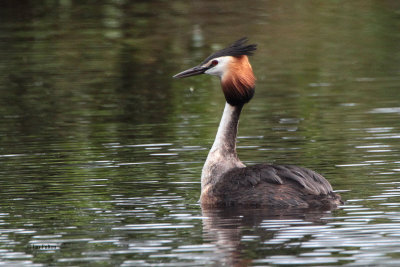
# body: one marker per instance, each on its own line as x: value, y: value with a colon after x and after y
x: 152, y: 226
x: 194, y: 248
x: 353, y: 165
x: 13, y: 155
x: 385, y: 110
x: 164, y: 154
x: 83, y: 259
x: 292, y: 260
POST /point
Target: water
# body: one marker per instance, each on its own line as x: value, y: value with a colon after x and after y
x: 101, y: 151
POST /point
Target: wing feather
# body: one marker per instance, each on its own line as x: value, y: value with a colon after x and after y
x: 312, y: 182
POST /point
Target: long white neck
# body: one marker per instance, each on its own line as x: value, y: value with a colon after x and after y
x: 227, y: 130
x: 222, y: 156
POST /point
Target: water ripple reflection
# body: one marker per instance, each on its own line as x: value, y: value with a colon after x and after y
x: 101, y: 150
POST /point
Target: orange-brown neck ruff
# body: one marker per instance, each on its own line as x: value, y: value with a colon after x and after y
x: 238, y: 82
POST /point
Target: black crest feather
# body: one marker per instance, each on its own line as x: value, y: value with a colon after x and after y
x: 238, y: 48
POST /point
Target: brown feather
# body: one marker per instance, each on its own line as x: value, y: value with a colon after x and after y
x: 271, y: 185
x: 238, y: 83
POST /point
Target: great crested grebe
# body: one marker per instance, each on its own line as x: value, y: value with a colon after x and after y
x: 225, y: 180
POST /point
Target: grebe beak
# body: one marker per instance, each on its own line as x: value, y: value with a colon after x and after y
x: 191, y: 72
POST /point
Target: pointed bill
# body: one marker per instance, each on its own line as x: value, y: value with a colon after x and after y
x: 191, y: 72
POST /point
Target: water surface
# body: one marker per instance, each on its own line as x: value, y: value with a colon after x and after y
x: 101, y: 150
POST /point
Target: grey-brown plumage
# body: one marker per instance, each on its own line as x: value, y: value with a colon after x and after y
x: 271, y: 185
x: 225, y: 180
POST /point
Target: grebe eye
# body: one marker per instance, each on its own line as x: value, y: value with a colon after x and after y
x: 214, y: 62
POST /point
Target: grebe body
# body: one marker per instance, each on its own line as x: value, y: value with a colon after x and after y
x: 225, y: 180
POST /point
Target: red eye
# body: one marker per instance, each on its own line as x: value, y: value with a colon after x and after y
x: 214, y: 62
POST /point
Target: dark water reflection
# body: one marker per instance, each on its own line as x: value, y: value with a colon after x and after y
x: 101, y: 151
x: 236, y: 233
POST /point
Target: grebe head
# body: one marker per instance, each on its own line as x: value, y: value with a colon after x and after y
x: 232, y: 65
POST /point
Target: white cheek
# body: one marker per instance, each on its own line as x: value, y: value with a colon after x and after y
x: 220, y: 69
x: 215, y: 71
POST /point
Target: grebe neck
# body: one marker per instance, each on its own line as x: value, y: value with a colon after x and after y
x: 222, y: 156
x: 225, y: 140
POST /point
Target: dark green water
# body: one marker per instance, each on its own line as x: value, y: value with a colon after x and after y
x: 101, y: 150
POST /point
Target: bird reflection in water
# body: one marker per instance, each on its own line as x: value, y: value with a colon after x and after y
x: 225, y: 228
